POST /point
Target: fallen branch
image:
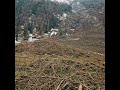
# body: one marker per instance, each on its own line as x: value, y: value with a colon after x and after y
x: 59, y: 85
x: 46, y: 77
x: 54, y: 71
x: 91, y: 76
x: 65, y: 84
x: 80, y: 87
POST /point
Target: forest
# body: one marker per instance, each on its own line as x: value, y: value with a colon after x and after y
x: 46, y: 14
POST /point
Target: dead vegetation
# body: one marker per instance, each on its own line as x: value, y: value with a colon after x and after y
x: 89, y: 40
x: 49, y: 47
x: 50, y: 65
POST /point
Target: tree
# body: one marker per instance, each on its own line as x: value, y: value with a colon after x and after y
x: 45, y: 13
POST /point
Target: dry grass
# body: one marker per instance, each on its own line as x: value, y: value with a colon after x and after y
x: 47, y: 73
x: 50, y: 47
x: 89, y: 40
x: 52, y: 64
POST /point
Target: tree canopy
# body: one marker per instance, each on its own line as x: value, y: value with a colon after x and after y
x: 43, y: 13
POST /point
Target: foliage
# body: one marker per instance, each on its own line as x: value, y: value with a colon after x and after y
x: 43, y: 13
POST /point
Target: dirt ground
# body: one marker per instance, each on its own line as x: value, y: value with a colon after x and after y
x: 62, y: 64
x: 53, y: 65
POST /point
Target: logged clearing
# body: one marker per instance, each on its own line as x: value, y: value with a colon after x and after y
x: 59, y: 45
x: 51, y: 64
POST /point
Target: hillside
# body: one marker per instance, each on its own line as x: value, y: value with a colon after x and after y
x: 49, y: 64
x: 88, y: 40
x: 59, y: 46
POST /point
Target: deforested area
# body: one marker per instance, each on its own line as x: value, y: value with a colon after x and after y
x: 59, y: 45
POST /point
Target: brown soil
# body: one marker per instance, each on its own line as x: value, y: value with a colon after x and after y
x: 50, y: 65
